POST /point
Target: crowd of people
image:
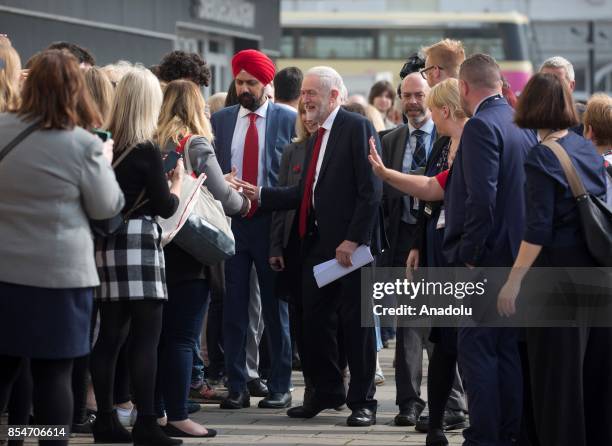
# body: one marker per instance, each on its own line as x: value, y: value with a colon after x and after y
x: 449, y: 169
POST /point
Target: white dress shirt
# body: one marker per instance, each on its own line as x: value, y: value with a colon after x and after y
x: 327, y: 125
x: 240, y: 131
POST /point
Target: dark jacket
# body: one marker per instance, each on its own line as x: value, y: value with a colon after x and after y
x: 347, y: 196
x: 290, y: 173
x: 485, y: 206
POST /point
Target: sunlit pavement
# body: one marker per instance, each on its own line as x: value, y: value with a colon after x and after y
x: 273, y: 427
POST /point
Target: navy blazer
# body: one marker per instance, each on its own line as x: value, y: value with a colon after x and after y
x: 553, y: 220
x: 347, y: 196
x: 484, y: 199
x: 280, y: 128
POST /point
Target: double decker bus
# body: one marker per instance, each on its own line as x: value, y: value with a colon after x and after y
x: 368, y: 46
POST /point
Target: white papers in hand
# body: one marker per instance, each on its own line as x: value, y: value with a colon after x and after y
x: 327, y: 272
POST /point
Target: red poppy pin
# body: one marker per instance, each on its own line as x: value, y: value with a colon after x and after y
x: 297, y: 168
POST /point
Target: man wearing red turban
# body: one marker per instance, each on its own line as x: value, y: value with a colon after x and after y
x: 250, y: 137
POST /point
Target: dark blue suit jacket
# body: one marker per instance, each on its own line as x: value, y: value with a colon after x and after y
x: 484, y: 197
x: 347, y: 195
x: 280, y: 128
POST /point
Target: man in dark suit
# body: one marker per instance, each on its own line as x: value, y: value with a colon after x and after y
x: 406, y: 149
x: 485, y: 216
x: 250, y: 137
x: 338, y: 201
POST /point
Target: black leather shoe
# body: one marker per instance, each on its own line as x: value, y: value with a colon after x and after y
x: 236, y: 400
x: 257, y: 387
x: 436, y: 438
x: 84, y: 427
x: 453, y: 419
x: 361, y: 417
x: 276, y: 401
x: 173, y: 431
x: 409, y: 414
x: 307, y: 410
x: 193, y: 407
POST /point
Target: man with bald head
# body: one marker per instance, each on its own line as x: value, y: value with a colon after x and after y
x: 407, y: 149
x: 485, y: 215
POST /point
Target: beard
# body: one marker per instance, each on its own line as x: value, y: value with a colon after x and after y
x: 415, y: 114
x: 249, y: 101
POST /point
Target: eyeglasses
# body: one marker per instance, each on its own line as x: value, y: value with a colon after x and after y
x: 408, y: 96
x: 425, y: 70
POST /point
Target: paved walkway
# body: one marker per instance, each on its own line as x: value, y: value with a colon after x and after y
x: 273, y: 427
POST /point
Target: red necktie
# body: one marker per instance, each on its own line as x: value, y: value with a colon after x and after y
x: 308, y: 184
x: 250, y: 158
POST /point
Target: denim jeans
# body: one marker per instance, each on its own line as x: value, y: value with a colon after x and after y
x: 182, y: 324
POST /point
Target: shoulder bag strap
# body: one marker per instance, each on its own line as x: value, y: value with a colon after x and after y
x: 20, y: 137
x: 139, y: 200
x: 183, y: 149
x: 121, y: 157
x: 573, y: 179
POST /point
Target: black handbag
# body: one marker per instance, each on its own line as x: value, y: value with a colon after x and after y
x: 595, y: 215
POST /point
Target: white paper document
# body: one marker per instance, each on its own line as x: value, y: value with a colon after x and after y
x: 327, y: 272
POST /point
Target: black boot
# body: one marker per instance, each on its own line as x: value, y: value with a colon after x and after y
x: 147, y: 432
x: 108, y: 429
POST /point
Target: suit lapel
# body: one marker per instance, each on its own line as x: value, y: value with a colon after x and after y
x: 270, y: 138
x: 228, y: 126
x: 334, y: 134
x: 398, y: 153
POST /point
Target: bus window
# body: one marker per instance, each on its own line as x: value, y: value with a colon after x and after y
x: 399, y: 44
x: 328, y: 44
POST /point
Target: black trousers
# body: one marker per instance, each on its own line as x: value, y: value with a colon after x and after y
x: 51, y: 395
x: 571, y: 385
x: 326, y: 311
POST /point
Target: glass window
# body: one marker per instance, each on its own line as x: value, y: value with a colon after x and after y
x: 401, y: 44
x: 328, y: 44
x: 485, y: 39
x: 286, y: 46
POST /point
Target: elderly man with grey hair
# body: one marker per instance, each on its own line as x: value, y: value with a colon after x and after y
x: 560, y: 67
x: 338, y: 200
x: 564, y: 70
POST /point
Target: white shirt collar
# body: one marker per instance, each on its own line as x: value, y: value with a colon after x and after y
x: 327, y: 125
x: 262, y: 111
x: 428, y: 127
x: 481, y: 102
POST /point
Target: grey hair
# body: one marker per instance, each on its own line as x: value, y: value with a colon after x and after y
x: 329, y: 78
x: 560, y: 62
x: 343, y: 95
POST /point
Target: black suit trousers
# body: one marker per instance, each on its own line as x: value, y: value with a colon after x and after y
x: 327, y: 312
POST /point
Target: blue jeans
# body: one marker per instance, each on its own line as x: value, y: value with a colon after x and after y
x: 182, y: 324
x: 197, y: 371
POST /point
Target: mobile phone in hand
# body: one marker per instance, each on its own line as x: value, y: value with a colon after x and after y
x: 102, y: 134
x: 171, y: 160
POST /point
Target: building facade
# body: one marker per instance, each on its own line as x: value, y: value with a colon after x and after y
x: 579, y: 30
x: 144, y: 30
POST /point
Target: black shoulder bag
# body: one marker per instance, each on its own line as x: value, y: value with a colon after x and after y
x: 595, y: 215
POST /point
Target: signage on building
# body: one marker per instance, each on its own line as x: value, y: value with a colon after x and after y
x: 229, y: 12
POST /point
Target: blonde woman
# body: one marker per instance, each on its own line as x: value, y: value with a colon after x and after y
x: 131, y: 262
x: 284, y: 244
x: 101, y: 90
x: 183, y: 125
x: 10, y: 71
x: 444, y: 103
